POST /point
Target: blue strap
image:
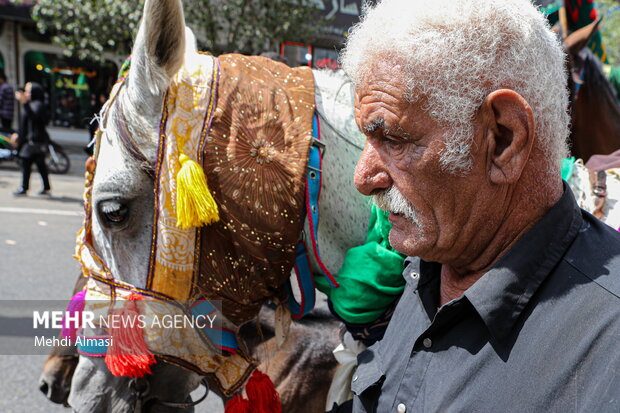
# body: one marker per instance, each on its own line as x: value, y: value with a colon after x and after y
x: 313, y: 193
x: 310, y: 211
x: 222, y: 338
x: 305, y: 282
x: 313, y: 182
x: 92, y: 346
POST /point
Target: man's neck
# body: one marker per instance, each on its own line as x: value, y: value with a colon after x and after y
x: 456, y: 278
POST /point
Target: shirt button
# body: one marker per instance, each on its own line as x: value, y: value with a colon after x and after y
x: 401, y: 408
x: 427, y: 342
x: 355, y: 378
x: 415, y: 275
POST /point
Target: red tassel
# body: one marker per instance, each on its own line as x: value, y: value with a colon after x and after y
x: 262, y: 397
x: 127, y: 353
x: 262, y: 394
x: 238, y: 405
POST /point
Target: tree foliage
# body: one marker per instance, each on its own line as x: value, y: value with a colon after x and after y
x: 251, y: 26
x: 86, y: 28
x: 610, y: 11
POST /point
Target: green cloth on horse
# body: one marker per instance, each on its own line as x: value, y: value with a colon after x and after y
x: 370, y: 277
x: 566, y: 170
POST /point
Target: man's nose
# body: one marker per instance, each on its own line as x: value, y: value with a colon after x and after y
x: 370, y: 174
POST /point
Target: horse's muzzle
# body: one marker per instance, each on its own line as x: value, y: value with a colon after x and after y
x: 54, y: 391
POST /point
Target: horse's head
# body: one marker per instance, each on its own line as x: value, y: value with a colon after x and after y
x: 122, y: 201
x: 574, y: 45
x: 123, y: 189
x: 594, y: 108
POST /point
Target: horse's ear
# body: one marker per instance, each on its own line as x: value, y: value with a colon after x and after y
x: 159, y: 48
x: 580, y: 38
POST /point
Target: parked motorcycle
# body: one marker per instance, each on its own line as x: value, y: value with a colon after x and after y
x: 56, y: 159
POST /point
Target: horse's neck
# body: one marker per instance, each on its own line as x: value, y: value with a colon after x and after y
x: 334, y: 102
x: 344, y: 211
x: 596, y: 123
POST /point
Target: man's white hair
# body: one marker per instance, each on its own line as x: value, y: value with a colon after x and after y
x: 456, y: 52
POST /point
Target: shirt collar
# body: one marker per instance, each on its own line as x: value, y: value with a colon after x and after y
x: 503, y: 292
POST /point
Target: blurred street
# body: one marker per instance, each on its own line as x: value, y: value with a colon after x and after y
x: 37, y: 238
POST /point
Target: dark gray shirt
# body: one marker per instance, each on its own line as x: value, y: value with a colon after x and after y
x: 539, y: 332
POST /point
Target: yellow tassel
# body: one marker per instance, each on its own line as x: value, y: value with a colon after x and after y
x: 195, y: 204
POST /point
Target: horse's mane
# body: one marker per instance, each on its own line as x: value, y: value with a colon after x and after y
x: 596, y: 75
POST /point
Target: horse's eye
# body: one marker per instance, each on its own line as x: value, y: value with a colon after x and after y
x: 114, y: 212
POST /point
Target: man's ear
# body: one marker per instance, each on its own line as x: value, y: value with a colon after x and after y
x: 509, y: 123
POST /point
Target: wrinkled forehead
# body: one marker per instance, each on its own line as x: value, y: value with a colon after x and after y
x: 383, y: 71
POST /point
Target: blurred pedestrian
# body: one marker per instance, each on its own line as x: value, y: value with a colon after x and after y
x: 32, y: 137
x: 7, y: 104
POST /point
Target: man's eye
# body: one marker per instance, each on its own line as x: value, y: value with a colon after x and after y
x: 393, y: 140
x: 114, y: 212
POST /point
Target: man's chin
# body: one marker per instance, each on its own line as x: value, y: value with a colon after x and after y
x: 406, y: 239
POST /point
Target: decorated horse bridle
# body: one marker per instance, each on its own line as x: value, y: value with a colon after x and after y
x: 141, y: 389
x: 233, y: 370
x: 103, y: 284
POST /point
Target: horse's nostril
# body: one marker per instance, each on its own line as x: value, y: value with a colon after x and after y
x: 43, y: 386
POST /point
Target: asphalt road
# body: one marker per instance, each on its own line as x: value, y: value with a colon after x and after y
x: 37, y: 240
x: 36, y: 245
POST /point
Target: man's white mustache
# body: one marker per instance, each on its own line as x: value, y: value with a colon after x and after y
x: 393, y: 201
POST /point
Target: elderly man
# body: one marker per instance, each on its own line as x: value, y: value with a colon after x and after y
x: 513, y: 302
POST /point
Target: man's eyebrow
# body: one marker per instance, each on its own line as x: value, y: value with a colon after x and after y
x: 373, y: 125
x: 379, y: 123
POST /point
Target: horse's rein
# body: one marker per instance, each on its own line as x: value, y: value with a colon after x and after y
x: 140, y: 388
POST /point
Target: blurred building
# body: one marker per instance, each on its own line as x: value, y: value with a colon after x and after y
x: 323, y: 53
x: 73, y: 86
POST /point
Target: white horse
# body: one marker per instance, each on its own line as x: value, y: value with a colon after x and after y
x: 123, y: 193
